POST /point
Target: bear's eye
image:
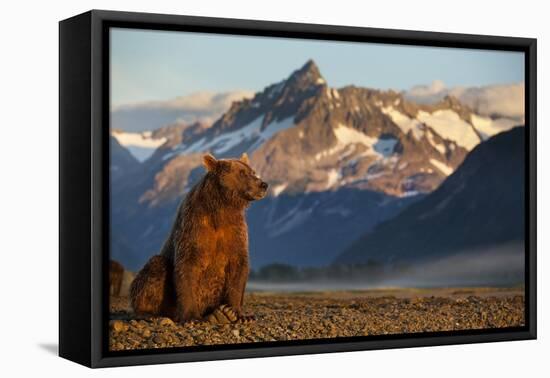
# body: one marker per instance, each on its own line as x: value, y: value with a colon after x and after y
x: 242, y: 173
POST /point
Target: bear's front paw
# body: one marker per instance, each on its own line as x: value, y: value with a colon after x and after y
x: 226, y: 314
x: 222, y: 315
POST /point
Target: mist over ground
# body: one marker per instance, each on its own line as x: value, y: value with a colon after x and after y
x: 502, y: 265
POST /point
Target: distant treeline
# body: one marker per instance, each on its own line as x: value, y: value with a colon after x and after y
x: 371, y: 271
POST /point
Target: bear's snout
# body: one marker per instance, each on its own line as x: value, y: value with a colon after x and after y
x: 264, y: 185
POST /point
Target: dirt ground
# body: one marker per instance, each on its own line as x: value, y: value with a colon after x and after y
x: 298, y: 316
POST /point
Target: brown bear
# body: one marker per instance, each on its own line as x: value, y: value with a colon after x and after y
x: 116, y: 273
x: 202, y: 269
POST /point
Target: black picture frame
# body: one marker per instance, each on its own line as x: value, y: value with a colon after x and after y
x: 84, y: 185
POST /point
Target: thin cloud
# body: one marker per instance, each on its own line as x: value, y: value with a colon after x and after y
x: 199, y: 106
x: 504, y: 100
x: 195, y: 102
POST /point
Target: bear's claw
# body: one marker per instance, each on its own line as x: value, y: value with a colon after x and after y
x: 245, y: 319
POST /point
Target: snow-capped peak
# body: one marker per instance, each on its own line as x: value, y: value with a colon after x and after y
x: 141, y: 145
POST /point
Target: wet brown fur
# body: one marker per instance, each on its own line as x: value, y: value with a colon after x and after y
x: 204, y: 262
x: 116, y: 273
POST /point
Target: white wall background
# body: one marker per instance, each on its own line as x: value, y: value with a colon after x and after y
x: 29, y: 186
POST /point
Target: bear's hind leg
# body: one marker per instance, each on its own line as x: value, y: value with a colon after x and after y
x: 151, y: 292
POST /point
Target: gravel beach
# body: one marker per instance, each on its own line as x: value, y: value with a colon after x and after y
x: 298, y: 316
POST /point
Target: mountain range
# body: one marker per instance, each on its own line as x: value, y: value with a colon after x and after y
x: 339, y: 162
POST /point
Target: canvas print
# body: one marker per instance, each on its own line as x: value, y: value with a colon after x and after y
x: 286, y: 190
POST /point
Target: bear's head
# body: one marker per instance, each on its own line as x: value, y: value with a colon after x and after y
x: 236, y: 176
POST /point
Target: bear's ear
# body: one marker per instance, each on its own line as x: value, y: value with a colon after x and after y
x: 244, y: 158
x: 209, y: 162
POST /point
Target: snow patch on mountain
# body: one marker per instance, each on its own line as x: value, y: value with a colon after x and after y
x: 347, y: 136
x: 404, y: 123
x: 278, y: 189
x: 449, y: 125
x: 333, y: 176
x: 196, y: 146
x: 273, y: 128
x: 444, y: 168
x: 141, y: 145
x: 438, y: 146
x: 332, y: 93
x: 226, y: 141
x: 250, y: 132
x: 328, y: 152
x: 488, y: 127
x: 410, y: 193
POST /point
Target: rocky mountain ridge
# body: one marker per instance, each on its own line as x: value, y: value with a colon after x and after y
x: 304, y: 136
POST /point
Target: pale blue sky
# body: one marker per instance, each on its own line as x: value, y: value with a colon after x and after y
x: 159, y: 65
